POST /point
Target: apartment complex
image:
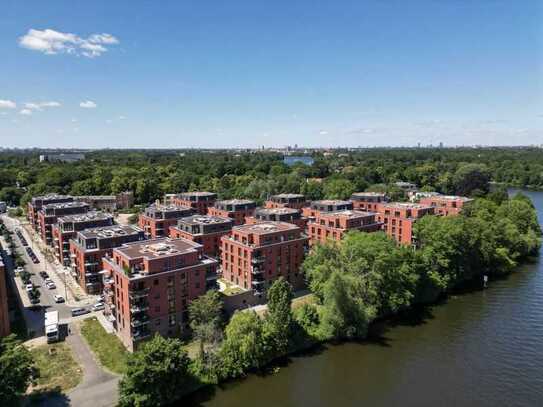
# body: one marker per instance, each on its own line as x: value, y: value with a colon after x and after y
x: 89, y: 247
x: 398, y: 219
x: 333, y: 225
x: 295, y: 201
x: 37, y: 202
x: 48, y: 215
x: 199, y: 201
x: 157, y: 219
x: 4, y: 311
x: 67, y: 227
x: 253, y: 256
x: 235, y: 209
x: 285, y: 214
x: 203, y: 229
x: 368, y: 201
x: 149, y: 285
x: 446, y: 205
x: 326, y: 205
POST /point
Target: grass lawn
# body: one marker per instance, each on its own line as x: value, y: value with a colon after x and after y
x: 107, y: 347
x: 59, y: 371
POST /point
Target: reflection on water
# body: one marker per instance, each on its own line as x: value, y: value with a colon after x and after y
x: 479, y: 349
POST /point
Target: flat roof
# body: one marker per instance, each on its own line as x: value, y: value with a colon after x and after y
x: 204, y: 220
x: 84, y: 217
x: 288, y: 196
x: 451, y: 198
x: 234, y: 202
x: 109, y: 231
x: 167, y: 208
x: 62, y: 205
x: 277, y: 211
x: 405, y: 205
x: 347, y: 213
x: 51, y: 196
x: 263, y: 228
x: 331, y: 202
x: 198, y: 193
x: 368, y: 194
x: 157, y: 248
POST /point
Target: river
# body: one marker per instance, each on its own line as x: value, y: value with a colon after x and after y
x: 484, y: 348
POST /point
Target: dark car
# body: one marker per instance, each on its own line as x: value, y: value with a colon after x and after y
x: 44, y: 274
x: 79, y: 311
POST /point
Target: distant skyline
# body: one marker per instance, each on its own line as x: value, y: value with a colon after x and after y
x: 192, y: 74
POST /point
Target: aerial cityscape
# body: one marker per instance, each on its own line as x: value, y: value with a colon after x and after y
x: 288, y: 204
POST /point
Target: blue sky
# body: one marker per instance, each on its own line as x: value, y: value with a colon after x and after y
x: 252, y: 73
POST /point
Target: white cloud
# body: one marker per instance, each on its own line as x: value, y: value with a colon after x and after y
x: 41, y: 105
x: 53, y: 42
x: 122, y: 117
x: 323, y: 132
x: 25, y: 112
x: 74, y: 120
x: 7, y: 104
x: 88, y: 104
x: 109, y: 121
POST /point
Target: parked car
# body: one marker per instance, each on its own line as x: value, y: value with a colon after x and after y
x: 34, y: 301
x: 79, y: 311
x: 58, y: 298
x: 19, y: 270
x: 98, y: 306
x: 51, y: 285
x: 48, y: 280
x: 44, y: 275
x: 29, y: 287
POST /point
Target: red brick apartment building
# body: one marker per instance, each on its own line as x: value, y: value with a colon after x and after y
x: 235, y: 209
x: 333, y: 225
x: 48, y: 215
x: 199, y: 201
x: 288, y: 215
x: 398, y: 219
x: 89, y: 247
x: 67, y: 227
x: 368, y: 201
x: 253, y: 256
x: 157, y: 219
x: 149, y: 285
x: 446, y: 205
x: 203, y: 229
x: 4, y: 312
x: 326, y: 205
x: 295, y: 201
x: 37, y: 202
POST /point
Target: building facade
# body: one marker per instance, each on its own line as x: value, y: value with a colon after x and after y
x: 295, y: 201
x: 89, y: 247
x: 48, y: 215
x: 253, y: 256
x: 37, y: 202
x: 157, y: 219
x: 446, y: 205
x: 105, y: 203
x: 398, y: 219
x: 206, y: 230
x: 199, y: 201
x: 289, y: 215
x: 334, y: 225
x: 235, y: 209
x: 368, y: 201
x: 326, y: 205
x: 149, y: 285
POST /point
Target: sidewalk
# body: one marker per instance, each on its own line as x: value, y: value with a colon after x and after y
x: 61, y: 276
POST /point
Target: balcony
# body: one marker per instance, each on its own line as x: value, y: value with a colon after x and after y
x: 142, y: 293
x: 257, y: 271
x: 136, y: 308
x: 140, y: 321
x: 141, y: 334
x: 258, y: 260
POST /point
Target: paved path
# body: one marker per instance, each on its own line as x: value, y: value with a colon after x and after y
x: 98, y: 388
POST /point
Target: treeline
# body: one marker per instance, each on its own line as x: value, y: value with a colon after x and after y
x: 364, y: 277
x: 150, y: 174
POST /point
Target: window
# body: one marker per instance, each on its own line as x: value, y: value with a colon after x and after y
x: 155, y: 281
x: 171, y: 319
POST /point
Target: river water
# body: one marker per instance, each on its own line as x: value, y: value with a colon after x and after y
x: 479, y: 349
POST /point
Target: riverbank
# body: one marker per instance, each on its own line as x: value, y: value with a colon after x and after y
x: 476, y: 347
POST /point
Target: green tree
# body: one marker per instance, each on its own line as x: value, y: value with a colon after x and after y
x: 17, y: 370
x: 471, y: 178
x: 338, y: 188
x: 157, y: 374
x: 206, y: 315
x: 245, y: 346
x: 279, y: 316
